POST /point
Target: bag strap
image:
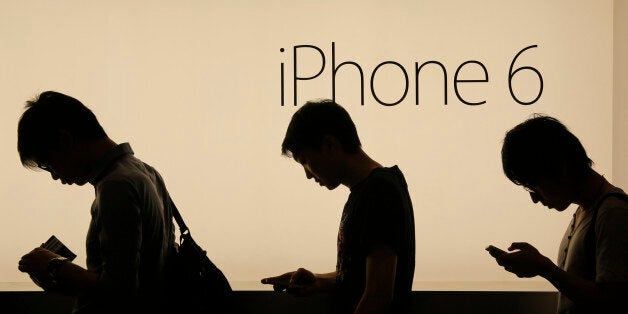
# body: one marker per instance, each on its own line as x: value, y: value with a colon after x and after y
x: 183, y: 228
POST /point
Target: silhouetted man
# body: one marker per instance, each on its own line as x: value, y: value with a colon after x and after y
x: 376, y: 244
x: 131, y: 231
x: 541, y: 155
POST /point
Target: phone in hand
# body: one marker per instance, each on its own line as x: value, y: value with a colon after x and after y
x: 55, y: 245
x: 495, y: 251
x: 280, y: 285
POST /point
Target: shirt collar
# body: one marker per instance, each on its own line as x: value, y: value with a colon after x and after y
x: 109, y: 158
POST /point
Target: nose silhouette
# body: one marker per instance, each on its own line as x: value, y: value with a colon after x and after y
x: 534, y: 197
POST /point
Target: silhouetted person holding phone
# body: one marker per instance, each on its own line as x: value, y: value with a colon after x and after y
x: 131, y: 231
x: 376, y: 244
x: 544, y: 157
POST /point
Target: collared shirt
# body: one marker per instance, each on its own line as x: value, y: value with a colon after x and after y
x: 130, y: 233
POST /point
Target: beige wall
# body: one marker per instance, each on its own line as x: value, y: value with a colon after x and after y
x: 195, y: 87
x: 620, y: 93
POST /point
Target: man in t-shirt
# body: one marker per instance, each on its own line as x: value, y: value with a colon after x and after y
x: 544, y: 157
x: 131, y: 233
x: 376, y: 244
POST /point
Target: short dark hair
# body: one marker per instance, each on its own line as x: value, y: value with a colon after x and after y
x: 540, y: 146
x: 316, y: 119
x: 45, y: 115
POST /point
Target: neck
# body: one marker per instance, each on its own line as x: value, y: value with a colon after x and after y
x: 95, y: 150
x: 592, y: 190
x: 358, y: 167
x: 88, y: 153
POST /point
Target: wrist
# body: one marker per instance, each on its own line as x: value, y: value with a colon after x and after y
x: 325, y: 282
x: 547, y: 269
x: 54, y: 265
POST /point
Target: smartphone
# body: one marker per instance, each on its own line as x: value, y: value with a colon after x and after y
x: 495, y: 251
x: 55, y: 245
x: 283, y: 285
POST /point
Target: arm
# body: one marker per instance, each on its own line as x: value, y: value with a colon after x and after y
x: 526, y: 261
x: 611, y: 282
x: 119, y: 237
x: 303, y: 282
x: 381, y: 267
x: 386, y: 237
x: 326, y: 281
x: 573, y: 287
x: 604, y: 295
x: 70, y: 277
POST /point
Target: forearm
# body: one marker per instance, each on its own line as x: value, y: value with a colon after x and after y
x: 381, y: 267
x: 526, y: 261
x: 326, y: 282
x: 73, y: 277
x: 573, y: 287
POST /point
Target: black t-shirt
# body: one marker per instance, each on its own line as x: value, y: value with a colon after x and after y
x: 378, y: 213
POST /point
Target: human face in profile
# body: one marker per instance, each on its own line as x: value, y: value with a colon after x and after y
x: 58, y: 172
x: 550, y: 192
x: 64, y: 165
x: 319, y: 165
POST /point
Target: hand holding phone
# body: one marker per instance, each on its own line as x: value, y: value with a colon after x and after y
x: 55, y: 245
x: 495, y: 251
x: 281, y: 285
x: 282, y: 282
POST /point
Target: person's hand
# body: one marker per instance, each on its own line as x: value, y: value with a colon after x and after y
x: 301, y: 282
x: 280, y: 283
x: 36, y: 262
x: 524, y: 260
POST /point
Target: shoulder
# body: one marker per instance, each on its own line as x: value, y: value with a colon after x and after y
x: 382, y: 185
x: 614, y: 209
x: 126, y: 174
x: 615, y: 200
x: 386, y: 177
x: 129, y: 168
x: 617, y: 195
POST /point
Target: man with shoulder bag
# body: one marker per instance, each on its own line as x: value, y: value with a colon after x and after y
x: 131, y: 233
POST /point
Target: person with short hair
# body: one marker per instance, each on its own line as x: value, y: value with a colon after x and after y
x: 376, y: 243
x: 544, y: 157
x: 131, y: 233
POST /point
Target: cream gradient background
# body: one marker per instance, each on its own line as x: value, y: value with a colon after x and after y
x: 194, y: 86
